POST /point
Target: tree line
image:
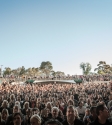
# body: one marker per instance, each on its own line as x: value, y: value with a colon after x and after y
x: 102, y: 68
x: 45, y: 69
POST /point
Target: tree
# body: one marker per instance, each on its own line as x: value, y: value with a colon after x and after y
x: 58, y: 73
x: 46, y: 67
x: 29, y: 72
x: 22, y: 71
x: 86, y: 68
x: 35, y: 71
x: 7, y: 71
x: 14, y: 72
x: 103, y: 68
x: 32, y: 72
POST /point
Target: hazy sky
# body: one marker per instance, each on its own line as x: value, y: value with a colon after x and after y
x: 64, y: 32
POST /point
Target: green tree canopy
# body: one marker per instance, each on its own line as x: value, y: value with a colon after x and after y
x: 22, y: 71
x: 103, y: 68
x: 58, y: 73
x: 86, y: 68
x: 46, y: 67
x: 7, y: 71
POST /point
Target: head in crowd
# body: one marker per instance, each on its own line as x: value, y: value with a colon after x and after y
x: 5, y: 104
x: 29, y: 112
x: 17, y: 118
x: 18, y: 103
x: 70, y: 114
x: 35, y: 111
x: 55, y: 112
x: 12, y: 97
x: 26, y: 98
x: 102, y: 111
x: 45, y: 112
x: 93, y: 103
x: 16, y: 109
x: 87, y: 112
x: 26, y: 105
x: 53, y: 122
x: 35, y: 120
x: 4, y: 114
x: 80, y: 104
x: 70, y: 102
x: 76, y: 114
x: 18, y: 98
x: 49, y: 105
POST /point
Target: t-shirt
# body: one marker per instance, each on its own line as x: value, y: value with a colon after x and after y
x: 81, y: 110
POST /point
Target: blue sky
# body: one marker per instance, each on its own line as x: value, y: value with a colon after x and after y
x: 63, y: 32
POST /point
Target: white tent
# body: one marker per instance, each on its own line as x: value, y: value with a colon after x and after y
x: 61, y: 81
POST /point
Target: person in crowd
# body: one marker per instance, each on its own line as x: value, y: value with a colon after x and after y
x: 45, y: 115
x: 35, y: 120
x: 5, y: 105
x: 26, y: 99
x: 16, y: 109
x: 2, y: 122
x: 76, y: 114
x: 87, y: 113
x: 55, y: 114
x: 71, y: 119
x: 69, y: 102
x: 32, y: 101
x: 18, y: 103
x: 25, y: 107
x: 93, y: 103
x: 49, y: 106
x: 4, y: 115
x: 109, y: 104
x: 102, y: 116
x: 17, y: 119
x: 12, y: 101
x: 81, y: 110
x: 28, y: 116
x: 93, y: 115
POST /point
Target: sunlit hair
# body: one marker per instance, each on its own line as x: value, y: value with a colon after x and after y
x: 50, y: 104
x: 76, y: 114
x: 5, y: 111
x: 5, y: 101
x: 55, y: 108
x: 70, y: 101
x: 25, y: 104
x: 12, y: 95
x: 18, y: 103
x: 16, y: 106
x: 37, y: 117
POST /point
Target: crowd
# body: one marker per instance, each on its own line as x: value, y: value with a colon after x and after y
x: 56, y: 104
x: 84, y: 78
